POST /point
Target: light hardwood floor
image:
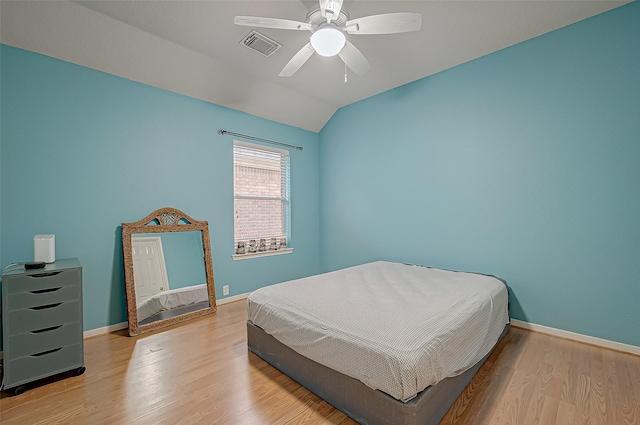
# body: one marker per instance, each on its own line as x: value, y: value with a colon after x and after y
x: 201, y: 373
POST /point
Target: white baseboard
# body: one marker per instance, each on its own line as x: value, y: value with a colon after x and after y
x: 105, y: 330
x: 232, y: 299
x: 123, y: 325
x: 605, y: 343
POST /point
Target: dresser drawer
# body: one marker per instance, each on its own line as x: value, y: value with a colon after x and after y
x: 40, y: 365
x: 44, y: 296
x: 40, y: 340
x: 41, y: 317
x: 42, y: 281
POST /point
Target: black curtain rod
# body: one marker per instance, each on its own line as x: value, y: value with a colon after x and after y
x: 222, y: 132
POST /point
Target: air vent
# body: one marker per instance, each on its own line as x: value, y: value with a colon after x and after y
x: 260, y: 43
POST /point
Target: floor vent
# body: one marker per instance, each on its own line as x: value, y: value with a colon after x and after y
x: 260, y: 43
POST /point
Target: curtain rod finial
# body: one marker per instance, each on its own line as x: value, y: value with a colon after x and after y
x: 221, y: 132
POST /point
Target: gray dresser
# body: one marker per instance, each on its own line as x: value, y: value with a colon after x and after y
x: 42, y: 323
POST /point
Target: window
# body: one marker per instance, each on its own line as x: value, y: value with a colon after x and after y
x: 260, y: 200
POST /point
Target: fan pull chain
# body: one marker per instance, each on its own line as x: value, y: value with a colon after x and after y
x: 345, y: 65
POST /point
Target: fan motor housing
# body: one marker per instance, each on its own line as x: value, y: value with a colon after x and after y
x: 315, y: 18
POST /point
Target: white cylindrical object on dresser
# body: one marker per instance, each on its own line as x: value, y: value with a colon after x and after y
x: 44, y: 248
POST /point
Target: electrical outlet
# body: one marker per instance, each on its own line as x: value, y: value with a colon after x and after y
x: 225, y: 290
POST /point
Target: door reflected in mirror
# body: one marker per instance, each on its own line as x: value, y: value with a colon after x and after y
x: 168, y: 270
x: 169, y: 274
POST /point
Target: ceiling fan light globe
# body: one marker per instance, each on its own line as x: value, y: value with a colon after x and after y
x: 328, y: 41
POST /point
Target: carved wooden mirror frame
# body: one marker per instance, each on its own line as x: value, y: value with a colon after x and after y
x: 162, y: 221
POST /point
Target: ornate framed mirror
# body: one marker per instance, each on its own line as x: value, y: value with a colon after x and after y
x: 167, y: 269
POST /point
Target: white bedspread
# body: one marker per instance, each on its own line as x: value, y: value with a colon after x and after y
x: 172, y: 298
x: 395, y: 327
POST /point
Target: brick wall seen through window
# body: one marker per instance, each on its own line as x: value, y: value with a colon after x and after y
x: 261, y: 202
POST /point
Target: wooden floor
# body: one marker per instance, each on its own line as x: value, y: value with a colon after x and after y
x: 201, y: 373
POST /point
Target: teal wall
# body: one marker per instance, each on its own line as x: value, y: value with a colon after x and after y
x: 524, y: 163
x: 83, y: 151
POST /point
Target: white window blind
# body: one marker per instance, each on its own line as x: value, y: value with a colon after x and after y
x: 261, y: 197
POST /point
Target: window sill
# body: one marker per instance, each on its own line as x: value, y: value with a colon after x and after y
x: 246, y: 256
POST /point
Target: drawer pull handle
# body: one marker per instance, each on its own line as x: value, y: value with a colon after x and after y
x: 43, y: 307
x: 45, y: 274
x: 44, y: 291
x: 46, y: 352
x: 52, y: 328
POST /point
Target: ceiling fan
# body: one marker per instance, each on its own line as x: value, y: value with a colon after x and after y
x: 328, y: 25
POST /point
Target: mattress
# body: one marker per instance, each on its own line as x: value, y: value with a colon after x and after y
x: 173, y: 298
x: 396, y: 328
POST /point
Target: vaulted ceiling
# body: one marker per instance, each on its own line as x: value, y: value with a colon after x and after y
x: 193, y: 47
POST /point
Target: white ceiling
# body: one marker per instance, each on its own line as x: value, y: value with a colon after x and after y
x: 193, y: 47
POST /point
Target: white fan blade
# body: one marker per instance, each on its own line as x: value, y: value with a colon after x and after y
x: 388, y: 23
x: 281, y: 24
x: 297, y: 61
x: 355, y: 60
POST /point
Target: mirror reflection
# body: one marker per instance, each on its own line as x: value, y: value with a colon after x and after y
x: 169, y: 274
x: 168, y: 270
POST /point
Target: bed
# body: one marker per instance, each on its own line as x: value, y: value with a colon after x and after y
x: 173, y: 302
x: 386, y: 343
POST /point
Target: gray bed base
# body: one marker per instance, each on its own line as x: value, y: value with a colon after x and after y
x: 355, y: 399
